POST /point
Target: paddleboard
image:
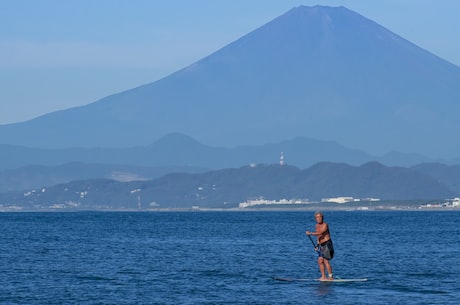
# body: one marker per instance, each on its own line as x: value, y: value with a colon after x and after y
x: 335, y: 280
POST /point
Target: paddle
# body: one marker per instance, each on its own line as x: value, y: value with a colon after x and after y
x: 313, y: 243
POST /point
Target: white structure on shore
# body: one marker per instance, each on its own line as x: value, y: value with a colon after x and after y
x: 455, y: 202
x: 348, y: 199
x: 261, y: 201
x: 340, y: 199
x: 449, y: 203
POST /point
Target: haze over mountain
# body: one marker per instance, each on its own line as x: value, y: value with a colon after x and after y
x: 319, y: 72
x: 178, y: 150
x: 172, y: 154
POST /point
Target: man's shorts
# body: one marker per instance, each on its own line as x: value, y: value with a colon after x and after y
x: 326, y: 250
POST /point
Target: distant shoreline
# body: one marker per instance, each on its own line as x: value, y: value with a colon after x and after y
x: 246, y: 210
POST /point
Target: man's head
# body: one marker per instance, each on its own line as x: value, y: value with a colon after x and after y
x: 319, y: 217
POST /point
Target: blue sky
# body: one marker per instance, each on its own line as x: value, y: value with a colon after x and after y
x: 58, y: 54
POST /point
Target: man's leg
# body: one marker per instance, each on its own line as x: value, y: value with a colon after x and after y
x: 328, y: 268
x: 321, y: 267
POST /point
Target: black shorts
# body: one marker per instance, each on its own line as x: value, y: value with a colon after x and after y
x: 326, y: 250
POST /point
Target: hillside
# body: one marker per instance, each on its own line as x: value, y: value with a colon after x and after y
x: 226, y: 188
x: 445, y: 174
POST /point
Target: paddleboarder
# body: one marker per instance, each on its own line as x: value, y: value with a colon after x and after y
x: 324, y: 246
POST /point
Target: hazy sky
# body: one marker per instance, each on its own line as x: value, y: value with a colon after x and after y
x: 57, y: 54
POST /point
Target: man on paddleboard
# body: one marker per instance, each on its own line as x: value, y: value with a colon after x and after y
x: 324, y: 248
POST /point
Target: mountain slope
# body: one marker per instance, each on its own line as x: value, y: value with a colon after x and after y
x: 321, y: 72
x: 38, y: 176
x: 445, y: 174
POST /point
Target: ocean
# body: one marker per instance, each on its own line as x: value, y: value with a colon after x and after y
x: 408, y: 257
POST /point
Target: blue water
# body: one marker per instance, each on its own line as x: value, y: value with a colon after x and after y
x: 409, y: 257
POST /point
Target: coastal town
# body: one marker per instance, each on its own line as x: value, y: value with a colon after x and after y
x: 342, y: 202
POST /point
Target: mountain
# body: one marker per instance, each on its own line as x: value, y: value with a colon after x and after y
x: 320, y: 72
x: 226, y: 188
x: 371, y: 180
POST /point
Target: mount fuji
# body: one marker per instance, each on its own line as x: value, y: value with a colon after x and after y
x: 320, y: 72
